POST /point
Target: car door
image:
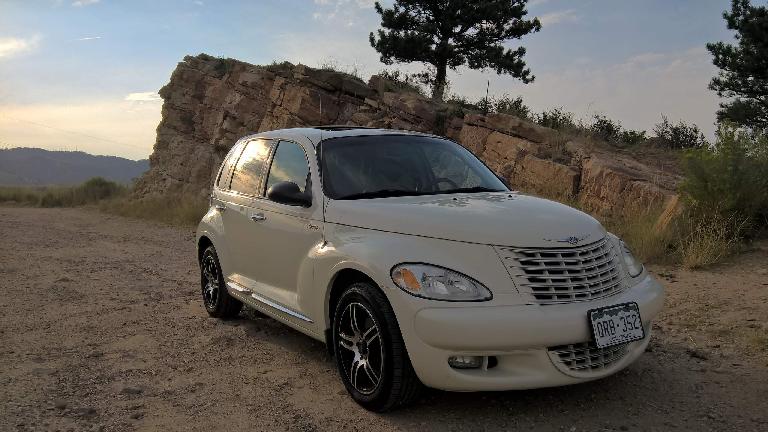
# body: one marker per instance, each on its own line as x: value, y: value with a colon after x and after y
x: 240, y: 205
x: 220, y: 196
x: 286, y: 234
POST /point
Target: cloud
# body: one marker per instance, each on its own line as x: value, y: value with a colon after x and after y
x: 82, y: 3
x: 12, y: 46
x: 557, y: 17
x: 344, y: 11
x: 143, y: 97
x: 635, y: 91
x: 199, y: 3
x: 89, y: 38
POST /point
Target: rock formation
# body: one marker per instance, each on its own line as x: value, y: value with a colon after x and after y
x: 209, y: 103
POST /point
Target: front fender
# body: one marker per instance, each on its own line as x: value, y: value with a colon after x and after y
x: 211, y: 226
x: 374, y: 253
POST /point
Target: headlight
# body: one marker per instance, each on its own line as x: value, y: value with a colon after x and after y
x: 437, y: 283
x: 634, y: 267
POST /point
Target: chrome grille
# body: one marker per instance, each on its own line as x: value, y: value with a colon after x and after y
x: 585, y: 357
x: 563, y: 275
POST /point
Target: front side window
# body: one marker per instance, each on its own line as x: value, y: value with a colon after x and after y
x: 400, y: 165
x: 289, y: 164
x: 248, y: 170
x: 226, y: 168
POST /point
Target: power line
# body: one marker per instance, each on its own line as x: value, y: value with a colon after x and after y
x: 73, y: 132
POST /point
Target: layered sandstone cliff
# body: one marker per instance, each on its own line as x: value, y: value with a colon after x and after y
x: 209, y: 103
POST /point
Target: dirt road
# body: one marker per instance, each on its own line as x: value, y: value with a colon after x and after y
x: 102, y: 329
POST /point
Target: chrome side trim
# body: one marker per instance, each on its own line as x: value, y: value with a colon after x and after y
x: 237, y: 287
x: 265, y: 301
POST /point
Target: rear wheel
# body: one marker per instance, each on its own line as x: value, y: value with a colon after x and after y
x: 370, y: 352
x: 218, y: 303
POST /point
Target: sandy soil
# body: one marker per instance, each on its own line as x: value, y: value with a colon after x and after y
x: 102, y: 329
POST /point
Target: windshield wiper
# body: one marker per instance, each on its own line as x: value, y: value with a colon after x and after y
x: 383, y: 193
x: 471, y: 189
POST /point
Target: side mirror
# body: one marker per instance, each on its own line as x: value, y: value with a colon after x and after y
x: 288, y: 193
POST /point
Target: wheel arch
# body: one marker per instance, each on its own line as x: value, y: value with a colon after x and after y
x: 343, y: 277
x: 202, y: 244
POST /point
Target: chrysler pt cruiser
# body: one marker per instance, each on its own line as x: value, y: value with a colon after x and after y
x: 417, y: 265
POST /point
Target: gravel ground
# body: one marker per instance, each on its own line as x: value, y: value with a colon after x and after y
x: 102, y: 329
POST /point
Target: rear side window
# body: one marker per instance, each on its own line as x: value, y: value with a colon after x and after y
x: 289, y: 164
x: 226, y: 168
x: 249, y: 168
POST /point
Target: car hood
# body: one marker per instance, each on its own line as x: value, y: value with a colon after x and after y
x: 494, y: 218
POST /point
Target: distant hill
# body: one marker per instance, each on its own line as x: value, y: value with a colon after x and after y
x: 34, y: 166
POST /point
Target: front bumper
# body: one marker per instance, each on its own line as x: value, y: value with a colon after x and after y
x: 518, y: 337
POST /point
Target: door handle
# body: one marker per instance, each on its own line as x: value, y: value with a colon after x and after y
x: 258, y: 217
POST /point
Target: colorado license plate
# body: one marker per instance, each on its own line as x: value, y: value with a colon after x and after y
x: 618, y: 324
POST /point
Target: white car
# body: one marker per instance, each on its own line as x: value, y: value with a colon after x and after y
x: 416, y: 265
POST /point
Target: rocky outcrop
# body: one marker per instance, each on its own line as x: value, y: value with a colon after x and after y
x: 209, y: 103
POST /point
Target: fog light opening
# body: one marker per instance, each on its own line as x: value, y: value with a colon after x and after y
x: 466, y: 362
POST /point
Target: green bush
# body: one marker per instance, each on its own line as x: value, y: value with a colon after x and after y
x: 459, y: 105
x: 556, y: 118
x: 605, y: 128
x: 679, y: 135
x: 512, y: 106
x: 632, y: 137
x: 730, y: 178
x: 402, y: 82
x: 609, y: 130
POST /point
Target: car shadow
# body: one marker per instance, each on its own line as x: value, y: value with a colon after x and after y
x: 653, y: 393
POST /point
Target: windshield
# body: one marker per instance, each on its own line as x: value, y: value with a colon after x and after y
x: 400, y: 165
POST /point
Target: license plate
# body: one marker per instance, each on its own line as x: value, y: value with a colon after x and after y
x: 618, y: 324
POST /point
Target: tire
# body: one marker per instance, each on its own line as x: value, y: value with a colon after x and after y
x: 217, y: 301
x: 364, y: 328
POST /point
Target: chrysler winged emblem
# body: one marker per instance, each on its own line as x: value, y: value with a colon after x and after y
x: 573, y: 240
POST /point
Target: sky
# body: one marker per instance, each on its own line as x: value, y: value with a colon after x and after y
x: 84, y: 74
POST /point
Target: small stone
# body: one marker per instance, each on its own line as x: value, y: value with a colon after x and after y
x: 131, y: 390
x: 59, y: 404
x: 697, y: 354
x: 137, y: 415
x: 85, y: 412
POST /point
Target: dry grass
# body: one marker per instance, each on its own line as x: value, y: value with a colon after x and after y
x: 111, y: 198
x: 91, y: 191
x: 183, y: 211
x: 21, y: 196
x: 636, y: 227
x: 694, y: 239
x: 758, y: 340
x: 638, y: 230
x: 706, y: 239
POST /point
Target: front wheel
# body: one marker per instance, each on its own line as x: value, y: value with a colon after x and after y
x: 370, y: 352
x: 218, y: 303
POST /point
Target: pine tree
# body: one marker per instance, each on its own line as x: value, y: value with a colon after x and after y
x: 743, y: 67
x: 452, y: 33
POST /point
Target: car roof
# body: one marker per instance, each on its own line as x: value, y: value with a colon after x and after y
x: 319, y: 133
